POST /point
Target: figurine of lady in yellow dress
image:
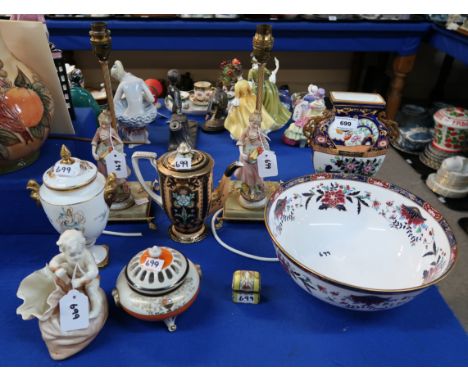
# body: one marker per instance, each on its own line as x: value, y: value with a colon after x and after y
x: 271, y: 100
x: 241, y: 108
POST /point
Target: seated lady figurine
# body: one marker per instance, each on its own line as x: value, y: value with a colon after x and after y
x: 241, y: 108
x: 311, y: 105
x: 73, y: 268
x: 271, y: 98
x: 252, y: 143
x: 134, y: 105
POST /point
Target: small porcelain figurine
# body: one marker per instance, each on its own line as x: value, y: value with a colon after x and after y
x: 252, y: 143
x: 231, y: 73
x: 80, y: 96
x: 312, y: 104
x: 217, y: 109
x: 241, y: 108
x: 271, y: 99
x: 41, y: 292
x: 104, y: 142
x: 134, y: 105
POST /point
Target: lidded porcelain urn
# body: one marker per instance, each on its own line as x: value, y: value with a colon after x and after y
x: 157, y: 284
x: 354, y: 137
x: 74, y: 195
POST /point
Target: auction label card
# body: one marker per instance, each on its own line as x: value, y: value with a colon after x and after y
x: 74, y: 311
x: 267, y: 164
x: 115, y: 162
x: 67, y: 170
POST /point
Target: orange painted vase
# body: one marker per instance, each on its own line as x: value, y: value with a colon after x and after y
x: 26, y: 108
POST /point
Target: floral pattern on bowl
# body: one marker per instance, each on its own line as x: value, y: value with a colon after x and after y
x: 366, y: 238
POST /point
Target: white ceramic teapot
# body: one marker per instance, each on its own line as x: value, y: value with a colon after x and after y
x: 75, y: 195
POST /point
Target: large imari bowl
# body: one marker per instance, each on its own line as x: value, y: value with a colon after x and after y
x: 358, y: 243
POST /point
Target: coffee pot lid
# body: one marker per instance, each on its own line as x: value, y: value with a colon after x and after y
x: 69, y: 173
x: 156, y: 271
x: 174, y: 160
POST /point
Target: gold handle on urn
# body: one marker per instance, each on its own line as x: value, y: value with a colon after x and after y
x: 315, y: 122
x: 33, y: 186
x: 392, y: 126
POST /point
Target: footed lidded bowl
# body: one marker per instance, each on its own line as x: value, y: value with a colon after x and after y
x: 354, y: 137
x: 356, y: 242
x: 157, y: 284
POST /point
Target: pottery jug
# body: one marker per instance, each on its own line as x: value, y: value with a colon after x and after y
x: 185, y: 183
x: 26, y: 109
x: 352, y: 138
x: 79, y: 201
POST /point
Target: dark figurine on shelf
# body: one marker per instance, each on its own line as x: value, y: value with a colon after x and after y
x: 173, y: 91
x: 80, y: 96
x: 186, y: 82
x: 180, y: 128
x: 217, y: 110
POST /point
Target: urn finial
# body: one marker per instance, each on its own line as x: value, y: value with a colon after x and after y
x: 66, y: 155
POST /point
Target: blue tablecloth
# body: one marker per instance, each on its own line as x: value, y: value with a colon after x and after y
x: 289, y: 327
x: 403, y: 38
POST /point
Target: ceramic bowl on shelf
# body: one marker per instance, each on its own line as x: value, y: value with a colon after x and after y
x: 356, y: 242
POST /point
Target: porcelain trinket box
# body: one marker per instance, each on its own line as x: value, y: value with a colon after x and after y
x: 158, y: 284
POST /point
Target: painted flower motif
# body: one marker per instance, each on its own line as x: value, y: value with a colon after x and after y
x: 382, y: 144
x: 350, y: 167
x: 432, y: 211
x: 183, y: 199
x: 333, y: 198
x: 367, y: 169
x: 376, y: 204
x: 412, y: 215
x: 321, y: 139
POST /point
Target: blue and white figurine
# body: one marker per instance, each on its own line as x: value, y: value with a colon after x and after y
x: 134, y: 105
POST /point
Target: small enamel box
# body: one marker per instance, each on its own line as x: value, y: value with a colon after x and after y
x: 246, y: 287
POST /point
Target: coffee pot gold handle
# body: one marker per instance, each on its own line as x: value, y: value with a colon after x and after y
x: 137, y: 155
